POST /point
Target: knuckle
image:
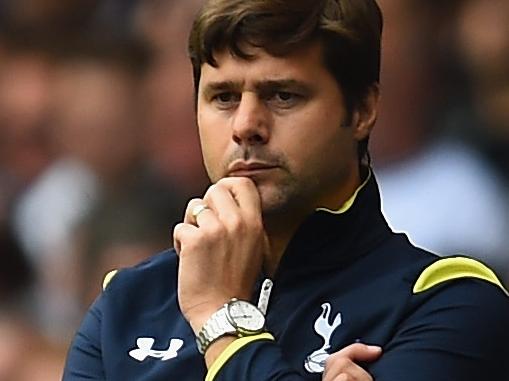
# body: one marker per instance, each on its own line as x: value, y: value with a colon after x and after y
x: 235, y: 222
x: 213, y: 229
x: 243, y: 181
x: 214, y: 188
x: 176, y: 229
x: 257, y: 225
x: 191, y: 246
x: 235, y: 181
x: 224, y: 182
x: 246, y: 182
x: 342, y: 362
x: 179, y: 230
x: 330, y: 360
x: 193, y: 202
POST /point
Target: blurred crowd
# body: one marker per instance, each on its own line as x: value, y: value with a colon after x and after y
x: 99, y: 151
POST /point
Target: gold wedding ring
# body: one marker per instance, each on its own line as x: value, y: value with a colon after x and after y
x: 198, y: 209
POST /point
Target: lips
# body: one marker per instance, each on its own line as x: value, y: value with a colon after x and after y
x: 247, y: 169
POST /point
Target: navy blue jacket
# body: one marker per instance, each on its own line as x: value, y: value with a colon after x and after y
x: 344, y: 278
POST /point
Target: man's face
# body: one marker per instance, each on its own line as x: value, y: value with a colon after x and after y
x: 279, y: 121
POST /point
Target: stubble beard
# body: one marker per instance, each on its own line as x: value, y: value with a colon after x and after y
x: 285, y: 197
x: 283, y: 202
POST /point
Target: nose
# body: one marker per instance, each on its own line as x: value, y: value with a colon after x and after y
x: 251, y: 124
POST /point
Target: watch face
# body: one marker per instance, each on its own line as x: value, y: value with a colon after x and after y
x: 245, y: 316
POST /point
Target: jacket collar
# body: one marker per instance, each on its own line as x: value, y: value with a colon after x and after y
x: 329, y: 238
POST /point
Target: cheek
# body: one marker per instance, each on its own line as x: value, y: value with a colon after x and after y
x: 321, y: 145
x: 214, y: 139
x: 317, y: 132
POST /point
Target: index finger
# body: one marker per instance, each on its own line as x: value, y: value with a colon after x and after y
x: 359, y: 352
x: 245, y: 194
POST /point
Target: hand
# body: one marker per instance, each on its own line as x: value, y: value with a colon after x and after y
x: 221, y: 249
x: 341, y: 365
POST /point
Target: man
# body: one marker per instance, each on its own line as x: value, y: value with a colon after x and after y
x: 286, y: 97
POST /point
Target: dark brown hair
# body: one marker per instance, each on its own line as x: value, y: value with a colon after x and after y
x: 349, y: 31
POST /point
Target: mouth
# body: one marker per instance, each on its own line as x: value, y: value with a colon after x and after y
x: 249, y: 169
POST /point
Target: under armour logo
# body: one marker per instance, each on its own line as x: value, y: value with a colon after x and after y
x: 144, y: 349
x: 315, y: 362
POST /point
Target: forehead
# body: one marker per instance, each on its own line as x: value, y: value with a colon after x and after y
x: 305, y: 64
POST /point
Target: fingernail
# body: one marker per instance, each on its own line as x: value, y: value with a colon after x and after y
x: 374, y: 348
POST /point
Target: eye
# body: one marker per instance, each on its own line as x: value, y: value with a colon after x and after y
x: 284, y: 96
x: 284, y: 99
x: 226, y: 99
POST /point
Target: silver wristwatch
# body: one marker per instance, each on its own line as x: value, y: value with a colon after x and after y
x: 236, y: 318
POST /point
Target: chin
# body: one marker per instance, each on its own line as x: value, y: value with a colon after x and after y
x: 270, y: 207
x: 276, y: 204
x: 282, y: 199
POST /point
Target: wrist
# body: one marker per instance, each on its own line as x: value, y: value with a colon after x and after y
x: 198, y: 316
x: 237, y: 318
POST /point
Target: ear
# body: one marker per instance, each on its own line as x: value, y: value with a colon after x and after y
x: 366, y: 113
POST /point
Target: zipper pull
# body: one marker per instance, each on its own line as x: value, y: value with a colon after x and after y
x: 263, y: 301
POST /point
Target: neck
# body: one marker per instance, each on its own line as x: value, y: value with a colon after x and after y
x: 281, y: 228
x: 279, y: 232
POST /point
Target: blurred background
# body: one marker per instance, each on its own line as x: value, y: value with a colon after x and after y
x: 99, y: 151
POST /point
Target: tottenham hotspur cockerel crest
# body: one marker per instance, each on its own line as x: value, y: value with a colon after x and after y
x: 315, y: 362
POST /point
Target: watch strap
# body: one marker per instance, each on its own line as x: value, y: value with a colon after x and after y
x: 215, y: 327
x: 222, y: 324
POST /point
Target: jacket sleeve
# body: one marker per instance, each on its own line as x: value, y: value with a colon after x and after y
x: 84, y: 359
x: 459, y: 333
x: 252, y: 359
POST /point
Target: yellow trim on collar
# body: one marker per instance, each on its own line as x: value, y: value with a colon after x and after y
x: 348, y: 203
x: 231, y: 349
x: 108, y: 277
x: 447, y: 269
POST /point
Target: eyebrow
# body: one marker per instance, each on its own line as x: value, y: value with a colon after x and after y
x: 263, y: 86
x: 289, y: 84
x: 220, y: 86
